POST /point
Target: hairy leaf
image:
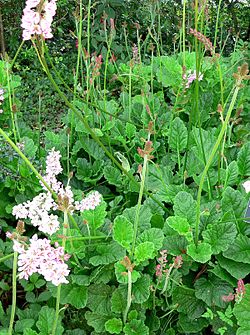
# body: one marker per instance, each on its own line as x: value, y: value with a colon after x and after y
x: 240, y: 250
x: 220, y: 236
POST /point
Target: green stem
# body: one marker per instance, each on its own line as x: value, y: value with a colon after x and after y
x: 210, y: 160
x: 27, y: 161
x: 137, y: 214
x: 184, y: 31
x: 17, y: 53
x: 84, y: 238
x: 129, y: 297
x: 10, y: 105
x: 217, y: 22
x: 58, y: 295
x: 167, y: 278
x: 13, y: 305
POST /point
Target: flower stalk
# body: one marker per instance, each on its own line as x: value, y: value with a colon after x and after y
x: 13, y: 306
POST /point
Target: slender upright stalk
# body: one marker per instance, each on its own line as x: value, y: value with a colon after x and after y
x: 58, y: 295
x: 27, y: 161
x: 129, y: 296
x: 184, y: 32
x: 13, y: 306
x: 167, y: 279
x: 210, y: 160
x: 137, y: 214
x: 217, y: 23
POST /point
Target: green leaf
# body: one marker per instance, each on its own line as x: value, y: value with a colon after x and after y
x: 180, y: 225
x: 130, y: 130
x: 89, y: 172
x: 221, y: 273
x: 96, y: 321
x: 95, y: 217
x: 185, y: 207
x: 122, y: 276
x: 45, y: 321
x: 30, y: 148
x: 201, y: 253
x: 240, y: 250
x: 243, y: 160
x: 99, y: 296
x: 29, y: 332
x: 44, y: 296
x: 2, y: 314
x: 107, y: 254
x: 92, y: 148
x: 144, y: 251
x: 220, y: 236
x: 236, y: 269
x: 242, y: 313
x: 141, y: 289
x: 145, y: 216
x: 211, y: 290
x: 113, y: 326
x: 191, y: 326
x: 187, y: 302
x: 168, y: 71
x: 154, y: 235
x: 178, y: 135
x: 136, y: 327
x: 234, y: 203
x: 231, y: 175
x: 112, y: 175
x: 119, y: 299
x: 173, y: 242
x: 72, y: 294
x: 123, y: 231
x: 23, y: 324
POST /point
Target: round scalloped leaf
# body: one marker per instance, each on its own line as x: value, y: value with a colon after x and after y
x: 220, y: 236
x: 113, y: 326
x: 211, y: 290
x: 200, y: 253
x: 144, y: 251
x: 123, y: 231
x: 136, y: 327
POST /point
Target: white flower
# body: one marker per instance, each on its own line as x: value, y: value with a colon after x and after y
x: 90, y: 202
x: 246, y: 186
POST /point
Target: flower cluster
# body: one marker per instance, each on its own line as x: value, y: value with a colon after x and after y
x: 40, y: 257
x: 37, y: 18
x: 90, y: 202
x: 239, y: 293
x: 161, y: 267
x: 204, y: 40
x: 96, y: 65
x: 190, y: 77
x: 1, y: 99
x: 38, y: 209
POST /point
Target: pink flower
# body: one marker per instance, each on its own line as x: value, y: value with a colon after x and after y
x: 190, y: 77
x: 228, y: 298
x: 37, y: 18
x: 40, y: 257
x: 90, y: 202
x: 178, y: 262
x: 239, y: 293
